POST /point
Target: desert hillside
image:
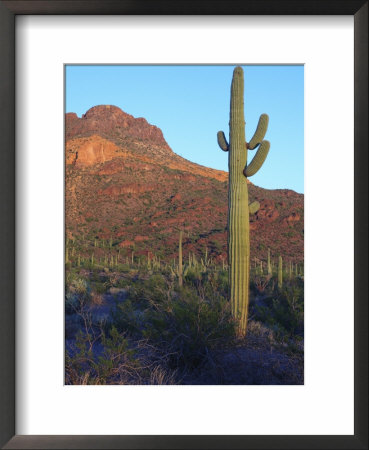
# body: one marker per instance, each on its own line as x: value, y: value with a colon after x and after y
x: 126, y: 189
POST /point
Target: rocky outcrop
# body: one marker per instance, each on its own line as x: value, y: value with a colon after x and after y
x: 87, y: 137
x: 111, y: 120
x: 90, y: 151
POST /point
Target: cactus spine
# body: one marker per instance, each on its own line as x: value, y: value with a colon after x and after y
x: 238, y: 205
x: 280, y: 272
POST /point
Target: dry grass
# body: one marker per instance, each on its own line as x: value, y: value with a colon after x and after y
x: 97, y: 299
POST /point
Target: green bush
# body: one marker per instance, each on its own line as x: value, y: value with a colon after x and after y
x: 184, y: 324
x: 78, y: 293
x: 187, y: 327
x: 284, y: 311
x: 113, y: 363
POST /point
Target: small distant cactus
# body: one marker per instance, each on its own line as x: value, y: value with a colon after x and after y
x: 269, y: 265
x: 238, y: 206
x: 280, y: 272
x: 180, y: 267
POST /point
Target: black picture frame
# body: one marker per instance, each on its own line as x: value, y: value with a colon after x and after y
x: 8, y: 12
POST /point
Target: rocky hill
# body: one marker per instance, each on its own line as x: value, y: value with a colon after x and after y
x: 126, y: 185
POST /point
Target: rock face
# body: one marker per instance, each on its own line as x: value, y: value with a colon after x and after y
x: 112, y: 121
x: 90, y: 151
x: 124, y: 183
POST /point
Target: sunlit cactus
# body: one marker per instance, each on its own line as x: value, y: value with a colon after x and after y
x: 238, y: 206
x: 180, y: 267
x: 254, y: 207
x: 269, y: 264
x: 280, y: 272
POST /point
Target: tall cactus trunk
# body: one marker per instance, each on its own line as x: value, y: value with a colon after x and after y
x: 238, y: 209
x: 180, y: 266
x: 238, y: 204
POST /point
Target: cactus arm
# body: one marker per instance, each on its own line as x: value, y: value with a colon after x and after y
x: 258, y: 159
x: 254, y: 207
x: 260, y: 132
x: 222, y: 141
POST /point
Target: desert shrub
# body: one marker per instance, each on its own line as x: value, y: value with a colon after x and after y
x: 99, y: 287
x: 122, y: 283
x: 223, y: 281
x: 126, y: 318
x: 149, y: 292
x: 193, y: 274
x: 284, y: 312
x: 94, y: 275
x: 188, y: 327
x: 261, y: 283
x: 108, y: 361
x: 123, y: 268
x: 184, y: 324
x: 77, y: 293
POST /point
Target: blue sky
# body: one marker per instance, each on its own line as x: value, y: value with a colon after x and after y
x: 191, y: 103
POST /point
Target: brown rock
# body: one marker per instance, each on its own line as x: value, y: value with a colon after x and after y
x: 109, y: 119
x: 87, y: 152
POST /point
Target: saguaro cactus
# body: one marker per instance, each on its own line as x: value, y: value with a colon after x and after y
x: 238, y: 206
x: 180, y: 267
x: 269, y: 265
x: 280, y: 272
